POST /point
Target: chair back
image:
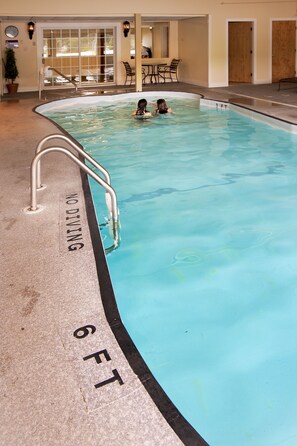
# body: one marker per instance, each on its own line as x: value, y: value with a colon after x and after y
x: 174, y: 64
x: 128, y: 68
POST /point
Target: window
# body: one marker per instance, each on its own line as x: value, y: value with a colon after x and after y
x: 83, y: 55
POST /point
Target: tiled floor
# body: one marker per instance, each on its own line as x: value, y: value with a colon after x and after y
x: 64, y: 378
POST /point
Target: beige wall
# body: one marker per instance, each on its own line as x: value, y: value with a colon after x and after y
x: 193, y: 50
x: 26, y: 56
x: 211, y: 69
x: 261, y: 15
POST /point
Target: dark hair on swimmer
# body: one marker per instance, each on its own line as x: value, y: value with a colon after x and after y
x: 162, y: 106
x: 161, y: 101
x: 141, y: 107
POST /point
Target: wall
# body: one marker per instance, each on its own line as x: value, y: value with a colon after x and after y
x: 261, y: 13
x: 25, y: 56
x: 29, y: 51
x: 193, y: 50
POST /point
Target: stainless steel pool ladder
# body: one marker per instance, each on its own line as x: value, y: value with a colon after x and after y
x: 77, y: 148
x: 110, y: 195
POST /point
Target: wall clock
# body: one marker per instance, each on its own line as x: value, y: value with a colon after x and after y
x: 11, y: 31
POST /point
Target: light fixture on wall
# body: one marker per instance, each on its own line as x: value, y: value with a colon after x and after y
x: 126, y: 28
x: 31, y: 28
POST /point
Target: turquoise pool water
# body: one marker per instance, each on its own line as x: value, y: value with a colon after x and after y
x: 205, y: 275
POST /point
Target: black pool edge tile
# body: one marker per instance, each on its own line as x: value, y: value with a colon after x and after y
x: 187, y: 434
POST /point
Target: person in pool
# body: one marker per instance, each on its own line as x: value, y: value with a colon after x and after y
x: 141, y: 109
x: 162, y: 107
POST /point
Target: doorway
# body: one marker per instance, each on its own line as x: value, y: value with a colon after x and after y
x: 240, y: 52
x: 283, y: 49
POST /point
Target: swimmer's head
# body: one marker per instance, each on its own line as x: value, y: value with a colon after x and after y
x: 142, y: 103
x: 162, y: 106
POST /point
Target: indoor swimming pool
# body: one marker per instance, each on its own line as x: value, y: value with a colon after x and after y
x: 205, y: 273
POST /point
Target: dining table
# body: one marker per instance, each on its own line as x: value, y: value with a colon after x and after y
x: 151, y: 71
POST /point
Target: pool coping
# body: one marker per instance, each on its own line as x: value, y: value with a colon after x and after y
x: 185, y: 431
x: 243, y: 109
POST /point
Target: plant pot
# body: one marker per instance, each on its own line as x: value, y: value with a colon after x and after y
x: 12, y: 88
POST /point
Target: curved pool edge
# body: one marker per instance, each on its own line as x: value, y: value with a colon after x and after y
x: 231, y: 104
x: 184, y: 430
x: 91, y: 100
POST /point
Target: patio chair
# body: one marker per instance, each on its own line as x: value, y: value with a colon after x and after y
x: 169, y: 71
x: 130, y: 72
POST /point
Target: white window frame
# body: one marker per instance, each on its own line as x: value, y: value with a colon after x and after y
x: 40, y: 27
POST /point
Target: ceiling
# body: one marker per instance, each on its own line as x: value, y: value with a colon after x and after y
x: 145, y: 18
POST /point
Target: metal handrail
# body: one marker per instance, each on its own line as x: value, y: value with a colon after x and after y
x: 113, y: 209
x: 77, y: 148
x: 41, y: 78
x: 65, y: 77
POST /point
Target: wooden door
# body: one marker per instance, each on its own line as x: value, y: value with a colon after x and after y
x: 283, y: 49
x: 240, y: 51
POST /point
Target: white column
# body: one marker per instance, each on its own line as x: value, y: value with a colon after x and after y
x: 138, y: 46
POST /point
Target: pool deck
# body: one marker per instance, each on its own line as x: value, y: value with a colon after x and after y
x: 63, y: 384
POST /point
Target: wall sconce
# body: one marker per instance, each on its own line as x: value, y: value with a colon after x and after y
x: 31, y: 28
x: 126, y: 28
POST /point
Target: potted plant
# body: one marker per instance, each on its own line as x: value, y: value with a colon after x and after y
x: 11, y: 71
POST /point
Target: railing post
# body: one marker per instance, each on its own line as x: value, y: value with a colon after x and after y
x: 65, y: 77
x: 33, y: 207
x: 74, y: 146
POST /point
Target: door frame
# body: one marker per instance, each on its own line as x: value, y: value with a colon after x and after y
x: 253, y: 55
x: 283, y: 19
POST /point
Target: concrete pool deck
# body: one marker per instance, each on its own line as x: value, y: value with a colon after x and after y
x: 64, y: 378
